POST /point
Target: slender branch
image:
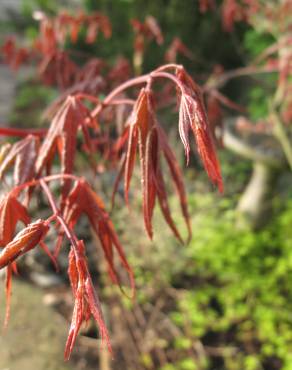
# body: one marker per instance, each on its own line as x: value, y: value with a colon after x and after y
x: 84, y: 96
x: 130, y: 83
x: 37, y: 182
x: 122, y: 101
x: 221, y: 80
x: 227, y: 102
x: 168, y: 66
x: 70, y: 235
x: 241, y: 148
x: 137, y: 81
x: 284, y: 41
x: 22, y: 132
x: 281, y: 135
x: 169, y: 76
x: 75, y: 89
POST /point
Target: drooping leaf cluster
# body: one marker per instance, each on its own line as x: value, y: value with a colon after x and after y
x: 79, y: 112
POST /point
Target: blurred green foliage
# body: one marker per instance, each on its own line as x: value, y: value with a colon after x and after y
x: 245, y: 289
x: 176, y: 19
x: 233, y: 287
x: 48, y: 6
x: 31, y: 100
x: 255, y: 43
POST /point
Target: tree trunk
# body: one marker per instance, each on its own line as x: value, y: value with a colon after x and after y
x: 254, y: 205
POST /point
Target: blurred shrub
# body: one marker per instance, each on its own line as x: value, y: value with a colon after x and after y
x: 235, y: 288
x: 230, y: 289
x: 30, y: 101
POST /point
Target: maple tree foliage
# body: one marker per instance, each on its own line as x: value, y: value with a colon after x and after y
x: 79, y: 110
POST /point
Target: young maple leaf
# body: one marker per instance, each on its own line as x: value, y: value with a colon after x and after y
x: 177, y: 177
x: 12, y: 55
x: 4, y: 149
x: 175, y: 48
x: 23, y: 155
x: 96, y: 22
x: 8, y: 288
x: 144, y: 123
x: 25, y: 240
x: 8, y: 49
x: 192, y: 115
x: 121, y: 71
x: 11, y: 212
x: 83, y: 200
x: 233, y: 11
x: 58, y: 69
x: 144, y: 133
x: 86, y: 300
x: 215, y: 115
x: 47, y: 41
x: 205, y: 5
x: 62, y: 138
x: 139, y: 135
x: 153, y: 29
x: 149, y: 29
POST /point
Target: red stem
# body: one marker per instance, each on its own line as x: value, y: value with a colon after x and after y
x: 70, y: 235
x: 36, y: 182
x: 122, y: 101
x: 168, y: 66
x: 118, y: 90
x: 221, y: 80
x: 22, y: 132
x: 137, y: 81
x: 84, y: 96
x: 169, y: 76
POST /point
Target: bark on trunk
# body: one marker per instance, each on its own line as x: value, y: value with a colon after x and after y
x: 254, y: 205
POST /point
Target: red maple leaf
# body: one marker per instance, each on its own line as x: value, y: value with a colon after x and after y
x: 62, y: 138
x: 86, y: 300
x: 83, y: 200
x: 25, y: 240
x: 145, y: 135
x: 23, y: 155
x: 192, y: 115
x: 11, y: 212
